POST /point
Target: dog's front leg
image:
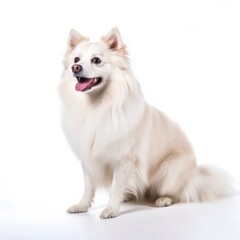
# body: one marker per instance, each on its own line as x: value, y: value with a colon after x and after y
x: 121, y: 173
x: 87, y: 198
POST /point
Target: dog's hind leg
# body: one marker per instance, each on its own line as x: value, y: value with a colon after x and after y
x: 170, y: 178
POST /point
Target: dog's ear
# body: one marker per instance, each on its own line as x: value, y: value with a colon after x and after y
x: 74, y: 39
x: 114, y: 41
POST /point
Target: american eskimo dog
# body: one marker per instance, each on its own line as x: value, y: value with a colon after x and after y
x: 123, y: 142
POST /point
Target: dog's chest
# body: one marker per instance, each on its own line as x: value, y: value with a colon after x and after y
x: 95, y: 134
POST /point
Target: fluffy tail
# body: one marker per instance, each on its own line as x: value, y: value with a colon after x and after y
x: 207, y: 184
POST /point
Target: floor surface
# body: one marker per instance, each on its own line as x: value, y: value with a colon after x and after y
x: 217, y: 220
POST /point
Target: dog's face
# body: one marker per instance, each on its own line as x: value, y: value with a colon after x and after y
x: 91, y: 65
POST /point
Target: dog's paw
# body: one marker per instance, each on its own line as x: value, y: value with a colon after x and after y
x: 108, y: 212
x: 77, y: 209
x: 163, y: 202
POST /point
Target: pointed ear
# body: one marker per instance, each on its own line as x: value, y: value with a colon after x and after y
x: 114, y: 41
x: 74, y: 39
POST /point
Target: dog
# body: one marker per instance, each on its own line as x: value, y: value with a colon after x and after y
x: 124, y: 143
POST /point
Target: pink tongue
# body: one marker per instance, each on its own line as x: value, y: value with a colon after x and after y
x: 82, y: 86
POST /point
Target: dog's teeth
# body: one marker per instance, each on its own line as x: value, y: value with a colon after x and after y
x: 95, y: 80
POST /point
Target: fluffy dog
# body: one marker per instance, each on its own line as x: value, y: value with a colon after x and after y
x: 123, y: 142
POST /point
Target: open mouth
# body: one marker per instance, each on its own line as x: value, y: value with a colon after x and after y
x: 85, y: 84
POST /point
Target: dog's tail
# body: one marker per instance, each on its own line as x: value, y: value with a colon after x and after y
x: 209, y: 183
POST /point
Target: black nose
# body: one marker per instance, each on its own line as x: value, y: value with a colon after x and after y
x: 76, y: 68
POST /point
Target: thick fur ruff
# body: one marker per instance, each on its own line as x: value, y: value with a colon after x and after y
x: 123, y: 142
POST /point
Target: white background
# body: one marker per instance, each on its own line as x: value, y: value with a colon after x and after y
x: 186, y: 55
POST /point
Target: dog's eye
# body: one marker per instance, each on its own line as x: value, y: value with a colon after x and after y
x: 76, y: 59
x: 96, y: 60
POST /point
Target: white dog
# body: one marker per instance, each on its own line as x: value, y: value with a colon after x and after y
x: 123, y: 142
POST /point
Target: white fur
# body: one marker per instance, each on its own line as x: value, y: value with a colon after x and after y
x: 124, y: 143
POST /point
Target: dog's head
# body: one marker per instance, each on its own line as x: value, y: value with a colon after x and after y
x: 91, y: 64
